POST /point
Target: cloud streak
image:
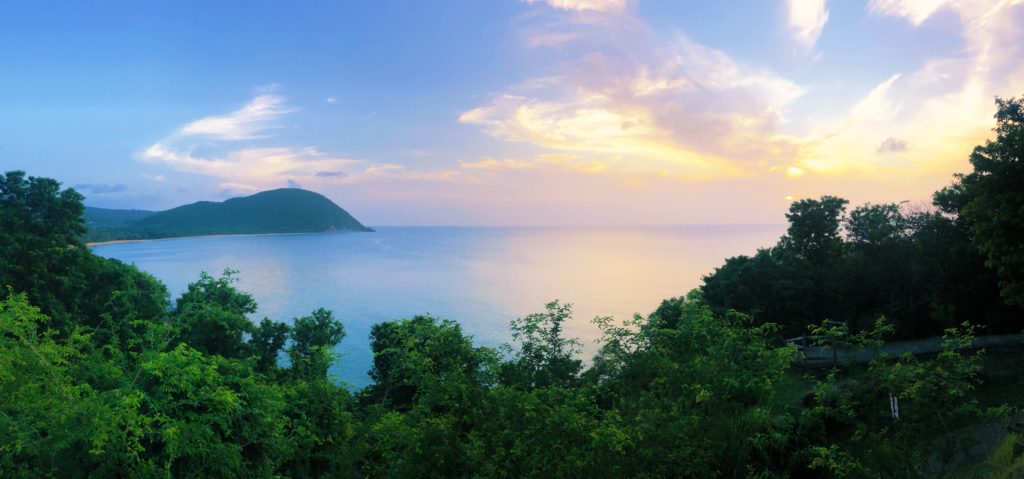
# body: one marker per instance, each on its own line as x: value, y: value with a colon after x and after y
x: 100, y: 188
x: 584, y: 5
x: 247, y: 123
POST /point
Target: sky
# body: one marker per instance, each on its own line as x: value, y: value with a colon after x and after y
x: 507, y: 112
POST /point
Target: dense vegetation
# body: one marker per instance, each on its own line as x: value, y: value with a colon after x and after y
x: 924, y: 268
x: 285, y: 210
x: 102, y: 375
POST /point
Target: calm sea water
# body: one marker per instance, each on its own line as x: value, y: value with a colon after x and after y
x: 481, y: 277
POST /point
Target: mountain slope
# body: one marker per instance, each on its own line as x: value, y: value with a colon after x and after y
x: 286, y: 210
x: 110, y: 218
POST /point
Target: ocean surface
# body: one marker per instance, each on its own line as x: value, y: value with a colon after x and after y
x: 481, y: 277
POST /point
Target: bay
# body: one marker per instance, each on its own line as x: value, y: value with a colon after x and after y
x: 481, y: 277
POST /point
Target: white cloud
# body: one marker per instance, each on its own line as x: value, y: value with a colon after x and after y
x: 584, y: 5
x: 245, y: 167
x: 689, y: 110
x: 556, y: 161
x: 807, y: 19
x: 245, y: 123
x: 916, y: 11
x: 493, y: 164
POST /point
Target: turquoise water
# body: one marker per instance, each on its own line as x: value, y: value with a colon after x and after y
x: 481, y: 277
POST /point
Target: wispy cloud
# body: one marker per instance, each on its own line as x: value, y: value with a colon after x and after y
x: 228, y: 150
x: 247, y: 123
x: 916, y: 11
x: 493, y: 164
x: 807, y: 19
x: 551, y: 39
x: 584, y: 5
x: 100, y: 188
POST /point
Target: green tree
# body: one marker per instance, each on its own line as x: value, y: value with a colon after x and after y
x: 41, y: 250
x: 266, y: 342
x: 427, y: 361
x: 429, y: 380
x: 313, y: 340
x: 320, y: 429
x: 696, y: 400
x: 211, y: 316
x: 544, y: 357
x: 990, y: 199
x: 813, y: 231
x: 876, y: 224
x: 904, y: 417
x: 44, y: 410
x: 190, y: 414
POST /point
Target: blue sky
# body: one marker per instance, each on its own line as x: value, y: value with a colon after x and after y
x: 504, y: 111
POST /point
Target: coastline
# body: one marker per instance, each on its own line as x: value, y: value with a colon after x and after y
x: 101, y: 243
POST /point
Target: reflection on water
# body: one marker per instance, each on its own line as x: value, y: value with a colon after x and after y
x: 481, y: 277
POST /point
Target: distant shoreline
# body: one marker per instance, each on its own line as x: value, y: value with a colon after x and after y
x: 101, y: 243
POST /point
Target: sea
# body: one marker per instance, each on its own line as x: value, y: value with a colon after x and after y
x: 481, y: 277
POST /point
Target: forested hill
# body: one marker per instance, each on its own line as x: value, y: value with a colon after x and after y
x: 96, y: 218
x: 286, y: 210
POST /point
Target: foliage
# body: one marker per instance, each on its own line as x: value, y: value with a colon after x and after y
x: 989, y: 200
x: 904, y: 417
x: 266, y: 342
x: 1007, y: 461
x: 544, y: 358
x: 43, y: 406
x: 211, y: 316
x: 917, y: 268
x: 427, y: 362
x: 313, y: 340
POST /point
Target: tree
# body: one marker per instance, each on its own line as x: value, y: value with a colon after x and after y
x: 191, y: 414
x: 904, y: 417
x: 266, y: 342
x: 813, y: 230
x: 44, y: 413
x: 211, y: 316
x: 544, y: 357
x: 428, y: 362
x: 990, y: 199
x: 313, y: 340
x: 41, y: 250
x: 696, y: 399
x: 876, y: 224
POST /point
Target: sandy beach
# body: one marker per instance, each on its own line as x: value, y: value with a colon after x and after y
x: 101, y: 243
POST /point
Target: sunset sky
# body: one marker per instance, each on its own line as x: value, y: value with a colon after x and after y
x: 507, y: 112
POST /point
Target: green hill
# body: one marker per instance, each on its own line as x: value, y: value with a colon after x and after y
x: 286, y: 210
x: 107, y: 218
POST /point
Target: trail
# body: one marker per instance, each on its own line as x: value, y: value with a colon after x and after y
x: 824, y: 357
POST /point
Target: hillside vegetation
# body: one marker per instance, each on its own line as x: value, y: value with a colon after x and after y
x: 103, y: 375
x: 286, y: 210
